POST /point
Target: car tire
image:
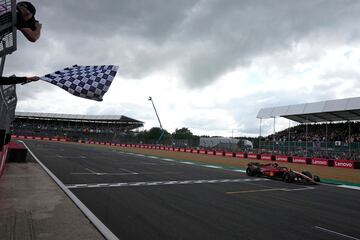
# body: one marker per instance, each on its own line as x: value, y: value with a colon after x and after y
x: 288, y: 178
x: 249, y: 172
x: 316, y: 178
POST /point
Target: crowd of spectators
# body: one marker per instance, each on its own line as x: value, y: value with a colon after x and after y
x: 331, y: 132
x: 329, y: 141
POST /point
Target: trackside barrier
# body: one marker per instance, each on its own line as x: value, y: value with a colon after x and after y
x: 219, y: 153
x: 253, y: 156
x: 319, y: 162
x: 266, y: 157
x: 301, y: 160
x: 343, y: 164
x: 202, y: 151
x: 281, y: 158
x: 240, y: 155
x: 229, y: 154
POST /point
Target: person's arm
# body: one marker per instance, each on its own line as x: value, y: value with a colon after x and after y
x: 32, y: 35
x: 16, y: 80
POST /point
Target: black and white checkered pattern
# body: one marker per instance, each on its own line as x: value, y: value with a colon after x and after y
x: 90, y: 82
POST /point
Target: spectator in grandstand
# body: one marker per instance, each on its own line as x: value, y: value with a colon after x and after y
x: 26, y: 22
x: 16, y: 80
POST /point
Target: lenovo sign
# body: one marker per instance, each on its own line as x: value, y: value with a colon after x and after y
x: 252, y: 156
x: 343, y: 164
x: 319, y: 161
x: 301, y: 160
x: 280, y: 158
x: 266, y: 157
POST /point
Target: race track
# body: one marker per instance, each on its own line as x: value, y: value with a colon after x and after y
x: 138, y: 197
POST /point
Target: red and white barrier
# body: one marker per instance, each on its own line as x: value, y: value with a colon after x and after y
x: 229, y: 154
x: 301, y: 160
x: 319, y: 161
x: 343, y: 164
x: 281, y: 158
x: 239, y: 155
x: 202, y: 151
x: 265, y: 157
x: 219, y: 153
x: 252, y: 156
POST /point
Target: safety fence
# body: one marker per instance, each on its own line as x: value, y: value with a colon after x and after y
x: 337, y: 163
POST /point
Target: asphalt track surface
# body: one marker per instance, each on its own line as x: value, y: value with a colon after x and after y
x: 138, y: 197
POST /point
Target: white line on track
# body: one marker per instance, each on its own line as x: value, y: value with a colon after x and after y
x: 348, y: 186
x: 335, y: 233
x: 157, y: 183
x: 93, y: 219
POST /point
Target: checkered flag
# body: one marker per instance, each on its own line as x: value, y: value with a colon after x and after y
x: 90, y: 82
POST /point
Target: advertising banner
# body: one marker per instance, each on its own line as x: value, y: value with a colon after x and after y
x: 343, y: 163
x: 319, y: 161
x: 301, y: 160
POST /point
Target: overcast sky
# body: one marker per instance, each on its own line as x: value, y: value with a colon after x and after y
x: 209, y: 65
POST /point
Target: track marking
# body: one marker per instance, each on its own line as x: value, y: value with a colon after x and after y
x: 61, y: 156
x: 271, y: 190
x: 92, y: 172
x: 256, y: 190
x: 335, y: 233
x: 93, y: 219
x: 158, y: 183
x: 350, y: 187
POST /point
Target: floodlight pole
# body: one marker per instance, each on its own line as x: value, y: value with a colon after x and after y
x: 157, y: 115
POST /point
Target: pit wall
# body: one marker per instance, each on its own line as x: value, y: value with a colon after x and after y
x: 336, y: 163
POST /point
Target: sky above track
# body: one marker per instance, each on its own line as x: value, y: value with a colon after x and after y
x: 209, y: 65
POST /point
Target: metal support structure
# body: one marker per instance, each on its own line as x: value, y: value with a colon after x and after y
x: 306, y: 136
x: 260, y: 136
x: 349, y: 139
x: 157, y: 115
x: 289, y: 136
x: 274, y: 137
x: 326, y: 138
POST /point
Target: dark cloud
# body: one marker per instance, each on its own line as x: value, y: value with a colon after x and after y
x: 202, y: 40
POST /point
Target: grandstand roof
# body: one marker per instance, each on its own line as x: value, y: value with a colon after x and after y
x: 77, y: 117
x: 347, y: 109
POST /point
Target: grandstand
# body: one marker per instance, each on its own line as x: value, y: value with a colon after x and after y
x: 114, y: 128
x: 327, y: 129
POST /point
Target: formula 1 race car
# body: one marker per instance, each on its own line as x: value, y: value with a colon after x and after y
x: 274, y: 171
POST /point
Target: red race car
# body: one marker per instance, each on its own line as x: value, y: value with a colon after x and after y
x: 273, y: 170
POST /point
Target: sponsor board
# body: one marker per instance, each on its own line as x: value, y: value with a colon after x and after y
x: 37, y: 138
x: 202, y: 151
x: 266, y: 157
x: 301, y: 160
x: 252, y: 156
x: 239, y: 155
x: 281, y: 158
x: 319, y: 161
x: 46, y: 138
x: 228, y: 154
x: 189, y: 150
x: 218, y: 153
x: 343, y: 164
